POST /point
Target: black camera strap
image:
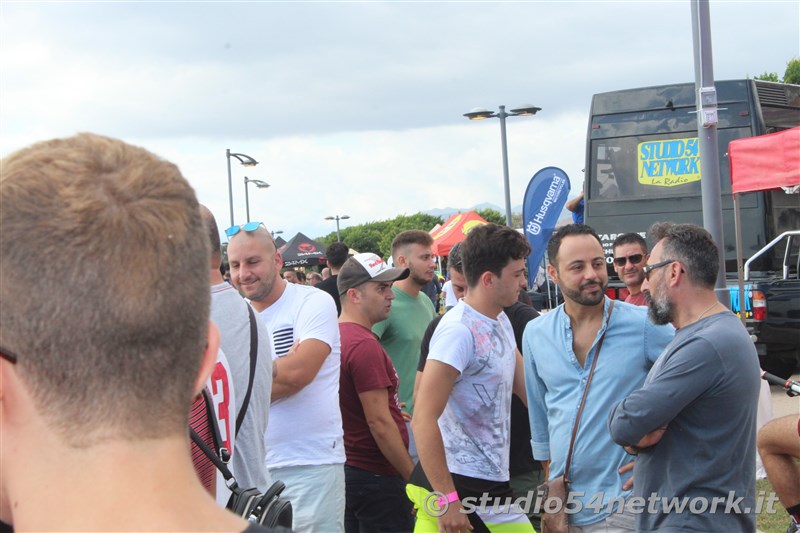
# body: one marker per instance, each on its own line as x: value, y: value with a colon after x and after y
x: 213, y: 457
x: 253, y: 361
x: 224, y: 454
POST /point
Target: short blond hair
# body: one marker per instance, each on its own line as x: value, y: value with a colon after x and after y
x: 104, y: 286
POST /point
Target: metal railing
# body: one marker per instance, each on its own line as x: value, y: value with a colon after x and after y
x: 792, y: 236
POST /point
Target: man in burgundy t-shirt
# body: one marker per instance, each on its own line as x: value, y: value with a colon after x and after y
x: 630, y: 255
x: 375, y: 435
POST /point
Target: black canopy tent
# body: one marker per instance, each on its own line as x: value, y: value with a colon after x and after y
x: 302, y: 251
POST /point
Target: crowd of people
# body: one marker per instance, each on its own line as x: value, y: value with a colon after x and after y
x: 119, y: 336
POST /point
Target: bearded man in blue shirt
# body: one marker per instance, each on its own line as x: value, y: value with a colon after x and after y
x: 559, y: 349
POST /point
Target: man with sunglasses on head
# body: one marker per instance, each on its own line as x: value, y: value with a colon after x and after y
x: 305, y: 447
x: 231, y: 313
x: 693, y: 422
x: 104, y: 343
x: 630, y: 255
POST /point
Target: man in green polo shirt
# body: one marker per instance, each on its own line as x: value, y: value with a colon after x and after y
x: 412, y: 311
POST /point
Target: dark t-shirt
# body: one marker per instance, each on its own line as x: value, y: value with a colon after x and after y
x: 329, y: 286
x: 365, y: 367
x: 521, y: 459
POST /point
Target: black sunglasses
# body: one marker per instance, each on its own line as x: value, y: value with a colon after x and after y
x: 649, y: 268
x: 8, y: 355
x: 635, y: 259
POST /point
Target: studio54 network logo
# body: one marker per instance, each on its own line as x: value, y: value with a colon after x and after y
x: 436, y: 504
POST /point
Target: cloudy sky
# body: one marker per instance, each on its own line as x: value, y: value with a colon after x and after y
x: 355, y: 108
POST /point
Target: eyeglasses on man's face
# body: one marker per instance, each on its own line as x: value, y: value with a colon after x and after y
x: 8, y: 355
x: 634, y: 259
x: 649, y: 268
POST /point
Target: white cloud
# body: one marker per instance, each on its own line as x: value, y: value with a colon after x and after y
x: 355, y: 108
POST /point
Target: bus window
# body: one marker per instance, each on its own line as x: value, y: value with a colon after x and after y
x: 653, y: 166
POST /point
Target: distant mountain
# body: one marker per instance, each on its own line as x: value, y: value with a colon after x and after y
x: 445, y: 212
x: 564, y: 218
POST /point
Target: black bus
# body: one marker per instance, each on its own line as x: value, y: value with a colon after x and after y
x: 643, y: 166
x: 642, y: 162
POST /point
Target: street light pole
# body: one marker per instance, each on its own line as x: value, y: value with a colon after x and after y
x: 504, y: 146
x: 258, y: 183
x: 480, y: 114
x: 230, y: 182
x: 337, y: 218
x: 246, y: 161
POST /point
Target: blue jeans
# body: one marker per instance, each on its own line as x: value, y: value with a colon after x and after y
x: 375, y: 503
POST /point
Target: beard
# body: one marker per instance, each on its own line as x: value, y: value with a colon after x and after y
x: 258, y: 291
x: 637, y: 280
x: 659, y: 310
x: 579, y: 297
x: 420, y: 280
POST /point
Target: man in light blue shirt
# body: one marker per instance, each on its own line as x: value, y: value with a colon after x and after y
x: 559, y: 348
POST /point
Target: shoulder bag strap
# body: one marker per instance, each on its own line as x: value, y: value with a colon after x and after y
x: 226, y: 473
x: 585, y: 393
x: 213, y: 457
x: 253, y: 360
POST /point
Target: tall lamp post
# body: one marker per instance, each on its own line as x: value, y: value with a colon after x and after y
x: 245, y: 160
x: 480, y: 113
x: 337, y: 218
x: 258, y: 183
x: 273, y: 233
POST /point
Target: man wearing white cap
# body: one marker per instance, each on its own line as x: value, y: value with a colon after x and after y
x: 375, y: 435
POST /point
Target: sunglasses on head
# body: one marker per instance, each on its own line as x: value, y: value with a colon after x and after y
x: 249, y: 227
x: 635, y: 259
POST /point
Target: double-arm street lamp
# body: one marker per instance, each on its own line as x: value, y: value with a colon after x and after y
x: 258, y: 183
x: 480, y: 113
x: 245, y: 160
x: 337, y: 218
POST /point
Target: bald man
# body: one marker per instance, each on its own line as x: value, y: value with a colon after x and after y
x: 305, y: 447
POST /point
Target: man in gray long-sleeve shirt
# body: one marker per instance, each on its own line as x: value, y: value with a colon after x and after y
x: 693, y: 422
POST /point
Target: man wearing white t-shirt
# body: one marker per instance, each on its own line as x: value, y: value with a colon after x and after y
x: 305, y: 447
x: 463, y: 407
x: 250, y: 370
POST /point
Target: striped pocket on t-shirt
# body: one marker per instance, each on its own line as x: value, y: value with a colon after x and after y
x: 283, y: 340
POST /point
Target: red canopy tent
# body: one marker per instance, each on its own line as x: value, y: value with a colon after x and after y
x: 758, y: 164
x: 765, y: 162
x: 454, y: 230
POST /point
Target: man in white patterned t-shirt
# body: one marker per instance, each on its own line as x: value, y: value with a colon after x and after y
x: 304, y: 440
x: 463, y: 408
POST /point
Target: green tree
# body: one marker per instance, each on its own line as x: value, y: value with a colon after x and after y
x: 792, y: 74
x: 493, y: 216
x: 376, y: 237
x: 769, y: 76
